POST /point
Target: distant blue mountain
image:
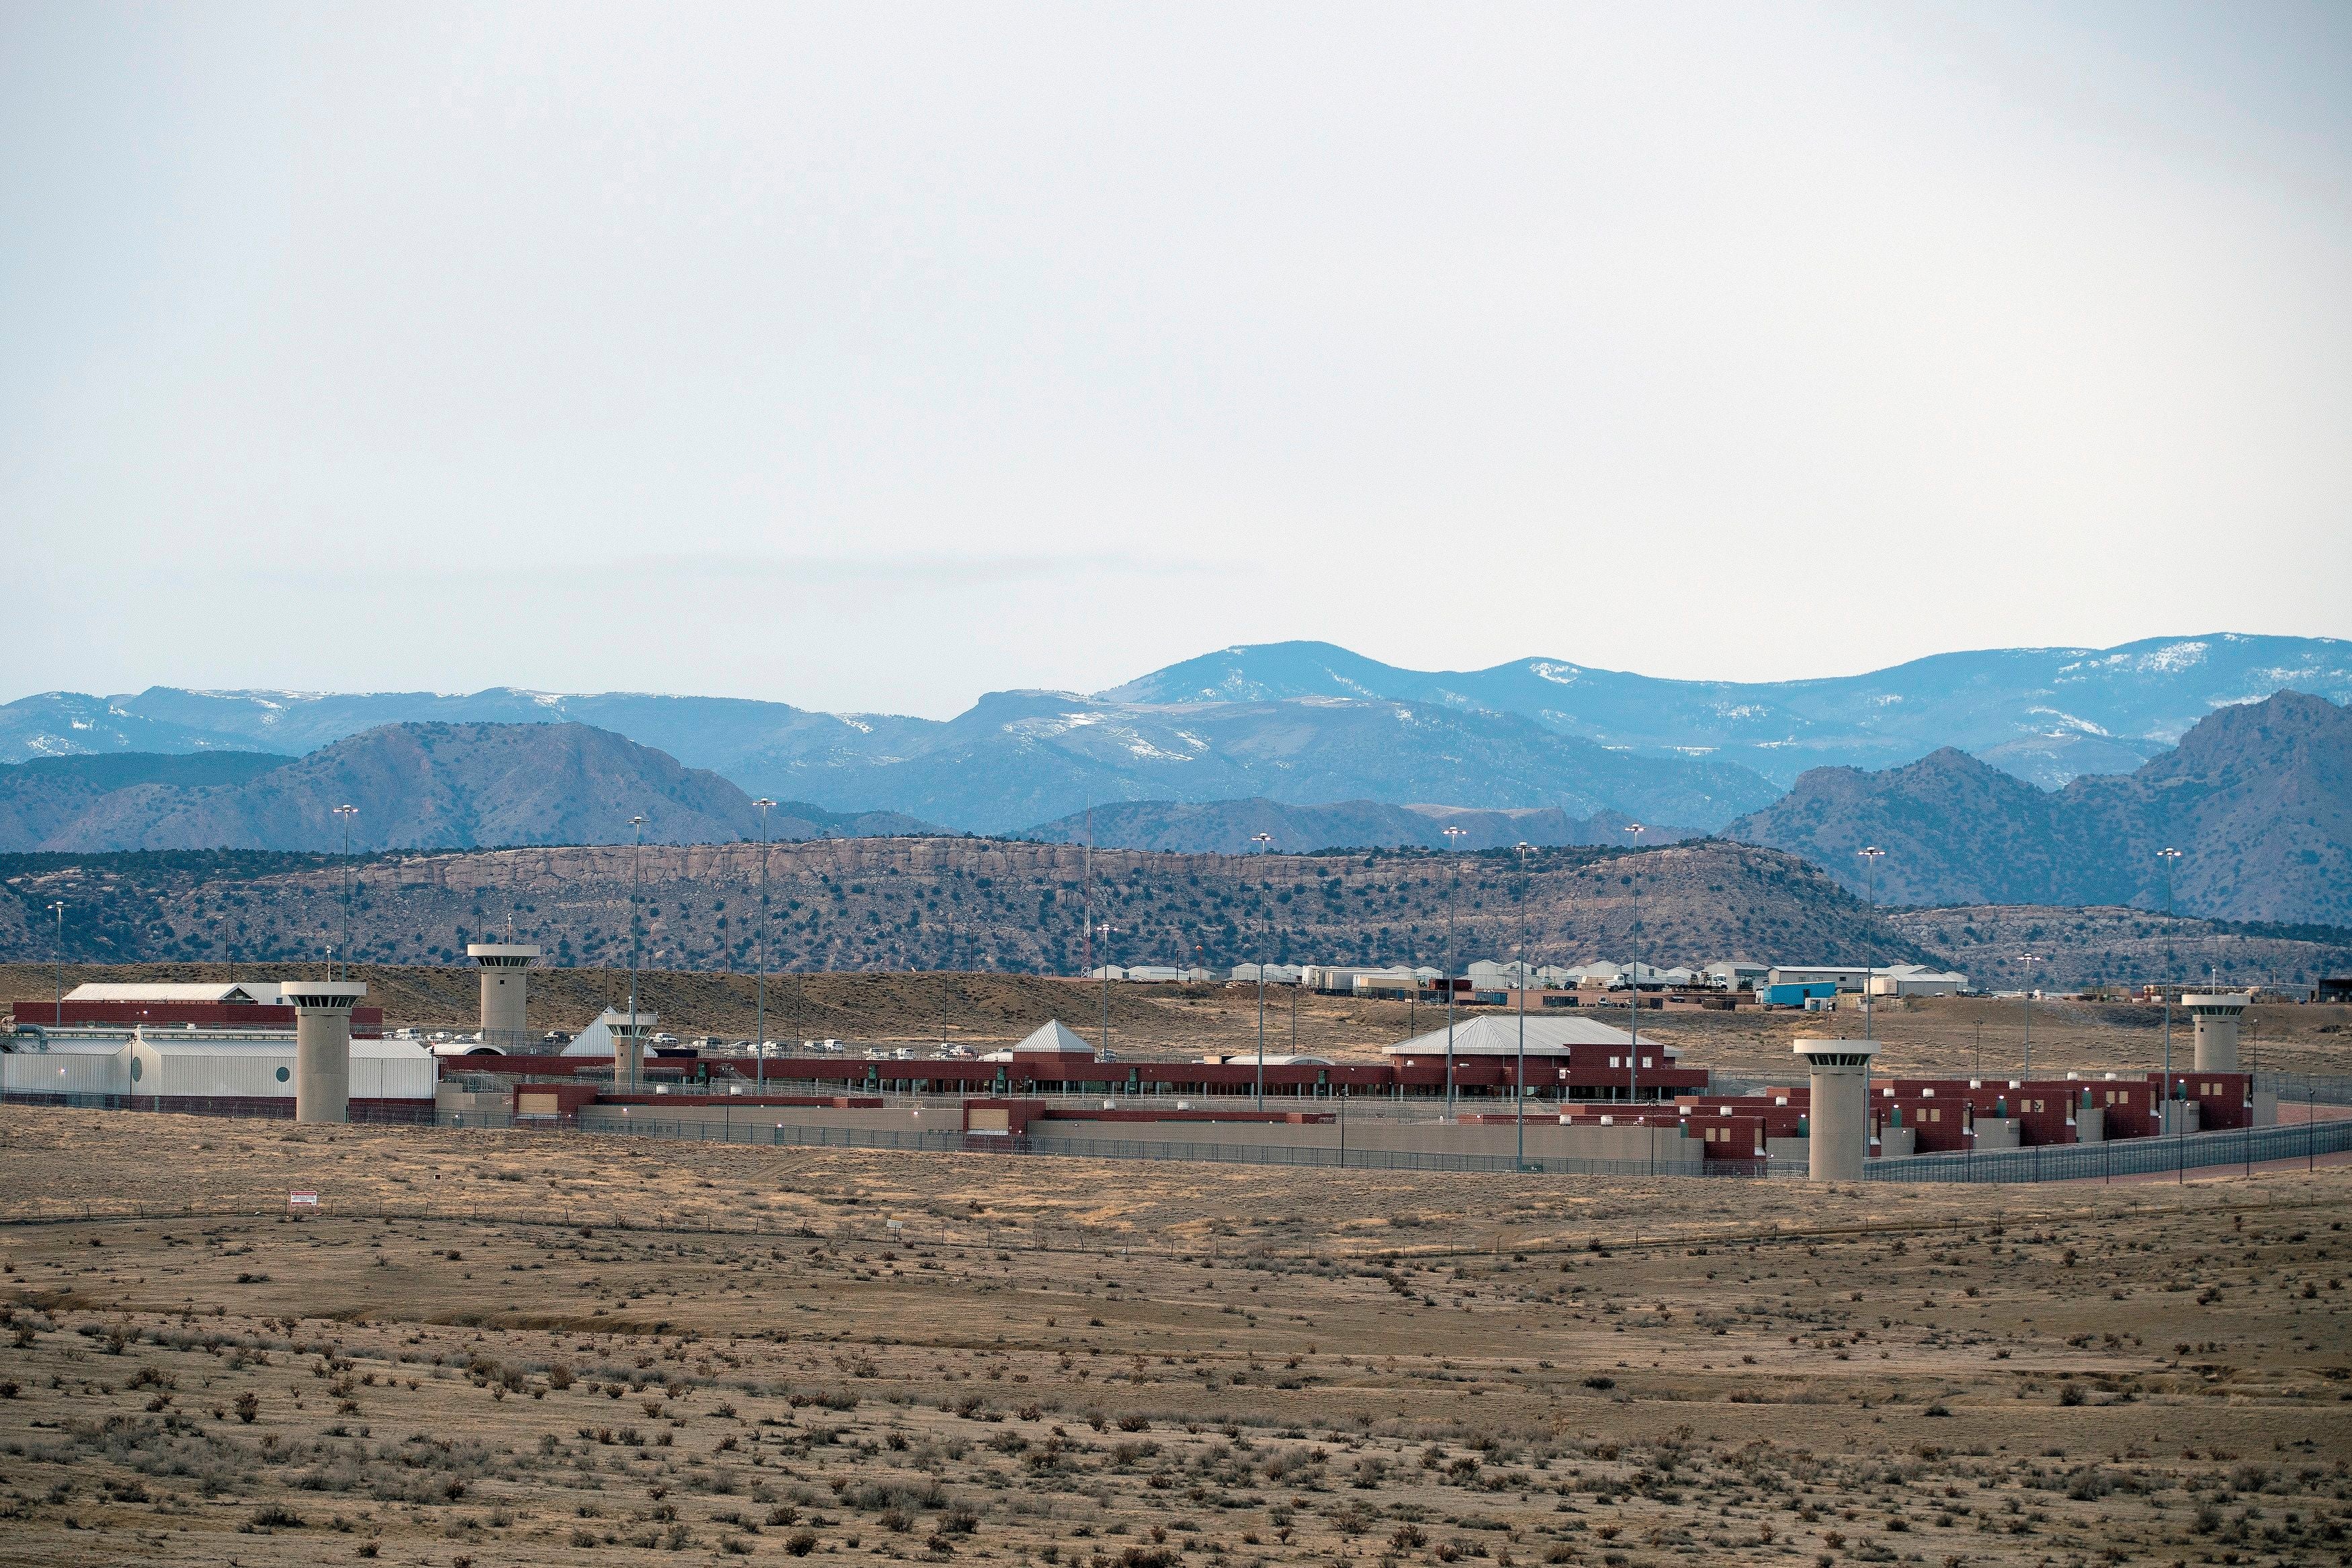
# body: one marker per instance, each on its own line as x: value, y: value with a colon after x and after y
x: 2046, y: 715
x: 1302, y: 723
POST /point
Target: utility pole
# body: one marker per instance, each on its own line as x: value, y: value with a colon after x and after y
x: 1870, y: 857
x: 2164, y: 1103
x: 2029, y: 960
x: 59, y: 909
x: 1520, y: 1087
x: 1105, y: 929
x: 636, y: 855
x: 1870, y: 854
x: 347, y: 811
x: 1633, y: 985
x: 1453, y: 897
x: 1264, y: 934
x: 759, y: 1002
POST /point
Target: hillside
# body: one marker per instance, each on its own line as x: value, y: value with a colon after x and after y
x: 1231, y: 827
x: 899, y: 903
x: 41, y: 800
x: 2116, y: 945
x: 2258, y: 796
x: 416, y: 786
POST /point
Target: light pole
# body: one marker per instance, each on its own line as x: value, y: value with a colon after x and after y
x: 2029, y: 960
x: 636, y: 855
x: 1520, y: 1086
x: 1634, y: 987
x: 1870, y: 858
x: 1870, y: 854
x: 760, y: 949
x: 59, y: 909
x: 2164, y: 1104
x: 347, y: 812
x: 1266, y: 924
x: 1104, y: 930
x: 1453, y: 897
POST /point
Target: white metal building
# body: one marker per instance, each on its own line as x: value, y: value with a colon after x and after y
x: 265, y: 992
x: 262, y: 1068
x: 67, y: 1067
x: 1916, y: 980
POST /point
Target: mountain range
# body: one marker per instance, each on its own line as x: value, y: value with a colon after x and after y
x: 416, y: 786
x: 1307, y: 722
x: 2258, y: 798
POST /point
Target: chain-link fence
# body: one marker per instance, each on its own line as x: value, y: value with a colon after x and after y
x: 2125, y: 1157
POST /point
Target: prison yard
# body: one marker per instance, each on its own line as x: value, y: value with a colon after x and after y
x: 503, y: 1347
x: 1918, y: 1035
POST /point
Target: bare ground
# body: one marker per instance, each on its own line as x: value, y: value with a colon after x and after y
x: 494, y: 1348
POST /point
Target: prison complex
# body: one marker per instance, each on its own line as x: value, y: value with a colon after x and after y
x: 1548, y: 1089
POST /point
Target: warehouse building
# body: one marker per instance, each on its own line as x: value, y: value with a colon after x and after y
x: 203, y: 1072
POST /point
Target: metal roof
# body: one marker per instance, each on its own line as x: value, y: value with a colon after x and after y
x: 174, y: 991
x: 1499, y: 1036
x: 173, y: 1045
x: 1053, y: 1039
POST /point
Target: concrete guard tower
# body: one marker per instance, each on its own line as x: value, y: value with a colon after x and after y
x: 1839, y: 1113
x: 504, y: 992
x: 2217, y: 1014
x: 322, y: 1047
x: 629, y: 1045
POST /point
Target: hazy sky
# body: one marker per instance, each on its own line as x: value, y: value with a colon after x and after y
x: 872, y: 357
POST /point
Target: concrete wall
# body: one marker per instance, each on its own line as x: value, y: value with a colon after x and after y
x: 715, y: 1121
x: 1998, y: 1132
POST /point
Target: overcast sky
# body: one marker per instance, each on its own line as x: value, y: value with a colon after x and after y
x: 872, y: 357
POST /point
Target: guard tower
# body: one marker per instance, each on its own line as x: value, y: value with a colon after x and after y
x: 629, y: 1045
x: 322, y: 1047
x: 504, y: 990
x: 2217, y: 1014
x: 1839, y: 1116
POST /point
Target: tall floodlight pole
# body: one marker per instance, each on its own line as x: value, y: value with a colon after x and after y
x: 760, y: 949
x: 347, y: 812
x: 57, y: 908
x: 1870, y: 858
x: 1104, y: 930
x: 1870, y: 855
x: 2029, y: 960
x: 1520, y: 1087
x: 1264, y: 931
x: 1634, y: 987
x: 1453, y: 897
x: 636, y: 855
x: 2164, y: 1102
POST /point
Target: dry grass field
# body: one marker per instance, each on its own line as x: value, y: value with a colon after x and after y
x: 512, y: 1348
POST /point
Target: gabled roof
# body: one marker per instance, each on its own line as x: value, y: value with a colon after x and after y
x: 1491, y: 1036
x: 169, y: 991
x: 1053, y: 1039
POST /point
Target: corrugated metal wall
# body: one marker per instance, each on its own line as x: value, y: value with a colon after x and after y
x: 256, y: 1071
x: 403, y: 1077
x: 172, y: 1070
x: 65, y: 1071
